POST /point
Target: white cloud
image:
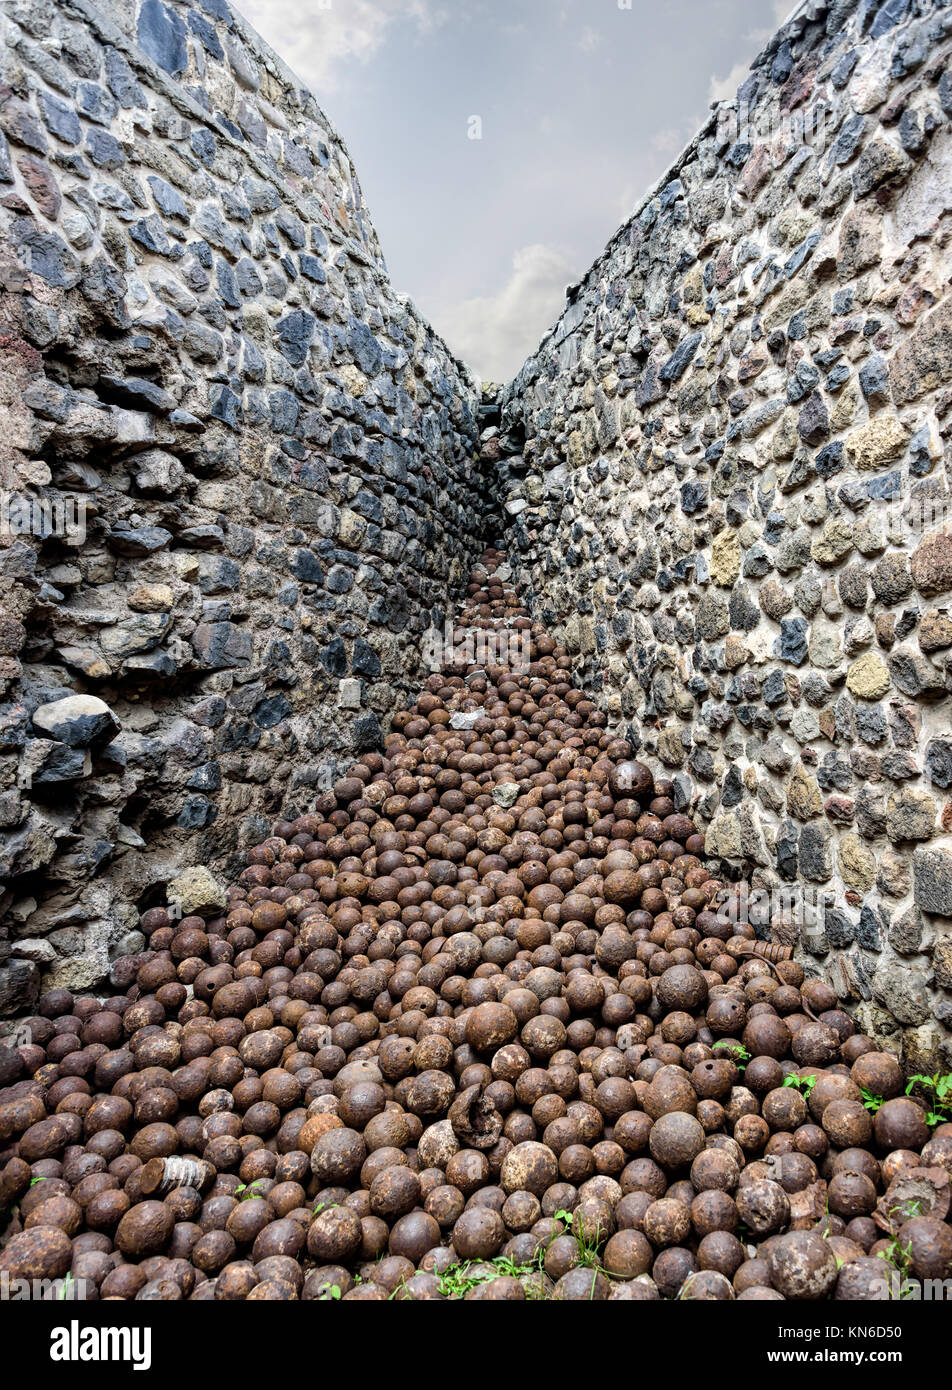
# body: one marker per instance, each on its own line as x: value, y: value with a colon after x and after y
x: 315, y: 39
x: 725, y: 88
x: 497, y: 333
x: 781, y: 11
x: 668, y: 141
x: 628, y: 197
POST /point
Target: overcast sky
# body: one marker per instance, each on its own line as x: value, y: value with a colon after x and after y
x: 580, y: 105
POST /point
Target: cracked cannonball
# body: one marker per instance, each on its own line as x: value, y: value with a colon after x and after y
x: 763, y: 1206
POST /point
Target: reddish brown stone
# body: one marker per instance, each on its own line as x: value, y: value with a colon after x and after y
x: 41, y: 186
x: 755, y: 173
x: 932, y: 564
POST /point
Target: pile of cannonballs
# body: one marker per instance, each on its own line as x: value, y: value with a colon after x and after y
x: 477, y: 1021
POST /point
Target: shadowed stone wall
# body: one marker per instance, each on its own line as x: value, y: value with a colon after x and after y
x: 236, y: 466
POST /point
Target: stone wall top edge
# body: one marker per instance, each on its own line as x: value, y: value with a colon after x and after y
x: 804, y: 13
x: 105, y: 21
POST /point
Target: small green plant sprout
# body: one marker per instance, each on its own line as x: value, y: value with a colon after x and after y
x: 805, y: 1084
x: 244, y: 1190
x: 66, y: 1287
x: 938, y: 1096
x: 328, y: 1292
x: 900, y: 1258
x: 34, y: 1181
x: 588, y: 1242
x: 461, y: 1278
x: 738, y: 1053
x: 871, y: 1102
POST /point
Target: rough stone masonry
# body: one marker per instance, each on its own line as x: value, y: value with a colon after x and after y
x: 724, y: 472
x: 727, y: 468
x: 266, y: 455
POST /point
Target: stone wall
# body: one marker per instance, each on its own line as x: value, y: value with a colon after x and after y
x: 236, y: 466
x: 727, y: 473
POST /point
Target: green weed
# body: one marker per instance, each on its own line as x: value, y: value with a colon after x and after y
x: 938, y: 1095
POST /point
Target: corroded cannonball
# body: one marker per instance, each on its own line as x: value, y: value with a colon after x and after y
x: 627, y: 1254
x: 767, y: 1035
x: 851, y: 1194
x: 675, y: 1140
x: 848, y: 1124
x: 682, y: 987
x: 900, y: 1124
x: 491, y: 1026
x: 707, y: 1285
x: 802, y: 1266
x: 928, y: 1244
x: 669, y: 1090
x: 630, y: 778
x: 815, y: 1045
x: 667, y: 1222
x: 879, y: 1073
x: 763, y: 1206
x: 478, y: 1234
x: 530, y: 1167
